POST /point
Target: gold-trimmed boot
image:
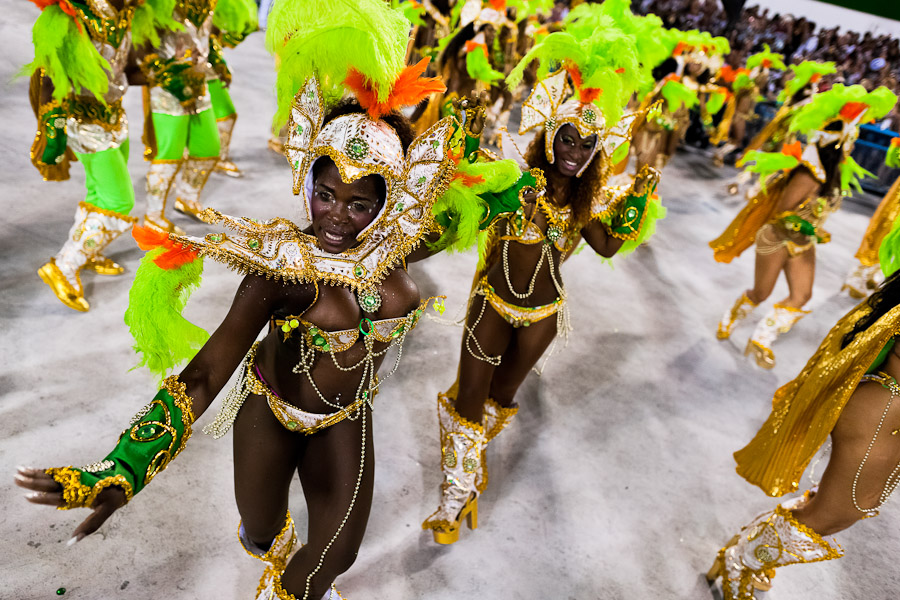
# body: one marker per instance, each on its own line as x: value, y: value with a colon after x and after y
x: 225, y: 165
x: 777, y: 321
x: 496, y: 418
x: 741, y: 310
x: 461, y: 446
x: 194, y: 174
x: 275, y: 558
x: 94, y: 228
x: 860, y: 281
x: 108, y: 225
x: 774, y: 539
x: 160, y: 177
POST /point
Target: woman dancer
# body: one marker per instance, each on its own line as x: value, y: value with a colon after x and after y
x: 335, y: 298
x: 518, y: 304
x: 785, y: 219
x: 847, y: 390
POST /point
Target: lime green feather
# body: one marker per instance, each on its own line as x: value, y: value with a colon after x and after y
x: 851, y: 173
x: 880, y: 100
x: 676, y: 95
x: 776, y: 60
x: 163, y: 338
x: 826, y: 106
x: 327, y: 38
x: 479, y: 68
x: 412, y: 12
x: 893, y: 156
x: 65, y: 52
x: 461, y: 208
x: 768, y: 163
x: 742, y: 82
x: 803, y: 74
x: 236, y: 18
x: 149, y: 17
x: 716, y: 102
x: 889, y: 251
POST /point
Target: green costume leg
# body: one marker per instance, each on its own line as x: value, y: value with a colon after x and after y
x: 226, y: 115
x: 171, y: 140
x: 99, y: 219
x: 203, y: 154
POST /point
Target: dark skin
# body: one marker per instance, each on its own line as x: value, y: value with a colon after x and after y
x: 521, y: 348
x: 266, y: 455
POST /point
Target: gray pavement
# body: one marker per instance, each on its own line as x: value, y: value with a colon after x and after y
x: 616, y: 481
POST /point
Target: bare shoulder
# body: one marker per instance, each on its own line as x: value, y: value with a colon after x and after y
x: 399, y: 294
x: 272, y: 294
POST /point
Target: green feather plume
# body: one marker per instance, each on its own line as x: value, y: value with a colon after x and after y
x: 149, y: 17
x: 893, y: 156
x: 461, y: 208
x: 776, y: 60
x: 676, y: 95
x: 716, y: 102
x: 66, y: 54
x: 851, y: 173
x: 803, y: 74
x: 479, y: 68
x: 742, y: 82
x: 236, y: 18
x: 889, y: 251
x: 826, y: 106
x: 768, y: 163
x: 163, y: 338
x: 327, y: 38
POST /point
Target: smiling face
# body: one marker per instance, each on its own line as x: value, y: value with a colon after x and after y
x: 571, y: 151
x: 340, y: 211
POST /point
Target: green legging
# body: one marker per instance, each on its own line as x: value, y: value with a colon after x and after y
x: 221, y: 100
x: 107, y: 179
x: 198, y: 133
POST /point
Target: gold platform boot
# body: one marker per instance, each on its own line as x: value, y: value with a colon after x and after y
x: 861, y: 280
x: 496, y: 419
x: 741, y: 310
x: 778, y: 320
x: 462, y: 443
x: 93, y: 230
x: 160, y: 177
x: 774, y: 539
x: 194, y: 174
x: 225, y: 165
x: 275, y: 558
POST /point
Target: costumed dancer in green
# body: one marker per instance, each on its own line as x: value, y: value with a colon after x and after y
x: 517, y: 306
x: 334, y: 298
x: 233, y: 21
x: 180, y: 116
x: 77, y: 83
x: 802, y: 185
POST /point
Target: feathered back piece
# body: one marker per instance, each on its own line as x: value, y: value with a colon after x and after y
x: 650, y: 37
x: 805, y: 73
x: 328, y: 39
x: 893, y: 154
x: 604, y: 66
x: 766, y: 60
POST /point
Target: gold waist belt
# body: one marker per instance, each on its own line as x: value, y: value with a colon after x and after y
x: 518, y: 316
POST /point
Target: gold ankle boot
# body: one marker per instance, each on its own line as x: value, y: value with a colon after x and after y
x: 741, y: 310
x: 779, y: 320
x: 194, y: 174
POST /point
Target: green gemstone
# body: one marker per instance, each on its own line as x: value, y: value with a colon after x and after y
x: 60, y: 591
x: 296, y: 164
x: 435, y: 144
x: 299, y: 128
x: 357, y: 148
x: 526, y: 323
x: 253, y: 244
x: 421, y: 180
x: 326, y: 348
x: 398, y: 207
x: 215, y: 238
x: 286, y: 328
x: 318, y: 340
x: 146, y: 431
x: 293, y: 425
x: 313, y: 330
x: 359, y: 270
x: 295, y: 323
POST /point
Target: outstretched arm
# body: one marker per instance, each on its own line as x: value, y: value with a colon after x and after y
x: 203, y: 378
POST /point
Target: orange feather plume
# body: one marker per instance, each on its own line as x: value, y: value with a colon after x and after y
x: 851, y: 110
x: 175, y: 255
x: 409, y: 89
x: 63, y: 4
x: 498, y: 5
x: 585, y: 95
x: 795, y: 149
x: 468, y: 180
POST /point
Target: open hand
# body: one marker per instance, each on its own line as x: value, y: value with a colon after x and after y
x: 646, y: 180
x: 45, y: 490
x: 474, y: 107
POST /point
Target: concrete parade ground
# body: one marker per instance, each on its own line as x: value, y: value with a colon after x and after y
x: 616, y: 481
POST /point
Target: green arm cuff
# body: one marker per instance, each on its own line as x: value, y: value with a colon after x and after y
x: 799, y: 224
x: 53, y: 123
x: 627, y: 222
x: 156, y: 435
x: 510, y: 199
